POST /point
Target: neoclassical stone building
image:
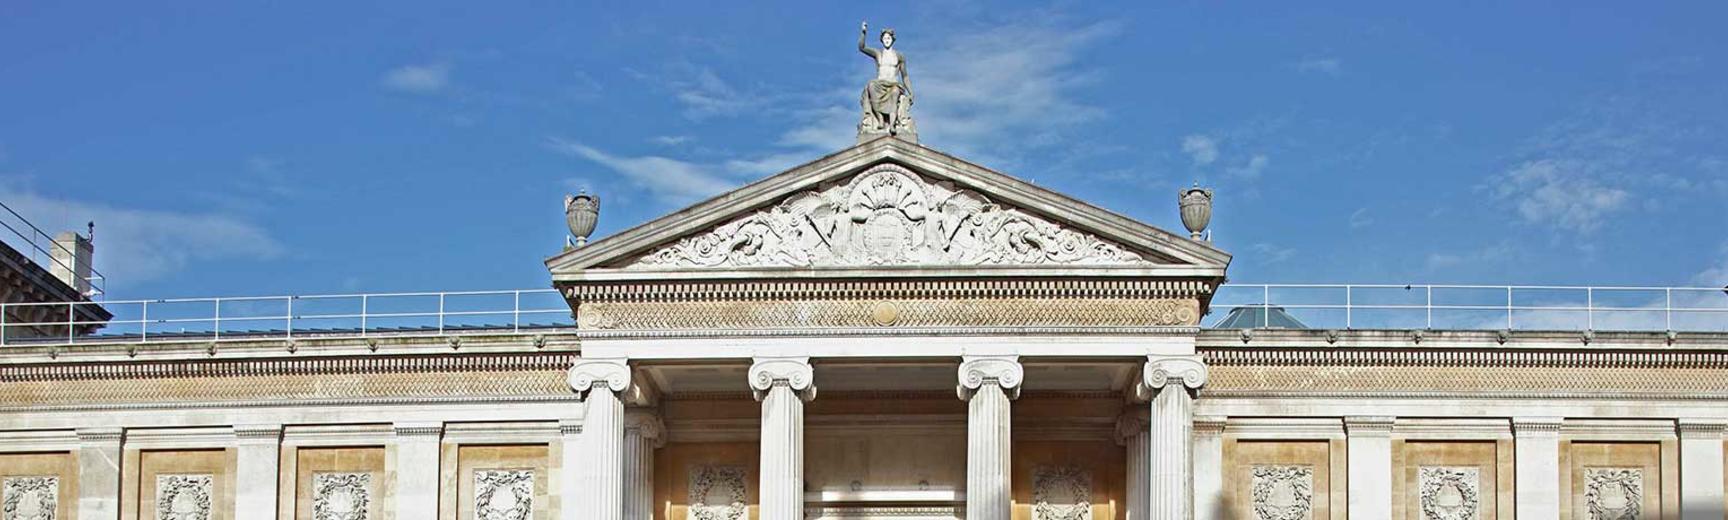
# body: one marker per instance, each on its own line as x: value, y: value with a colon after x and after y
x: 888, y: 332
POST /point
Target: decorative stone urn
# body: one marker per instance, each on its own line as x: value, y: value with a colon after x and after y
x: 1196, y: 205
x: 581, y: 212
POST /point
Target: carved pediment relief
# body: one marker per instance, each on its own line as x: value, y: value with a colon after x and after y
x: 887, y: 215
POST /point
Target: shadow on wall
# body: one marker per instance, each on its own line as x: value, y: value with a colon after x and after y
x: 1221, y: 511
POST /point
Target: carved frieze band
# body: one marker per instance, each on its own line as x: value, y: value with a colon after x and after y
x: 786, y: 290
x: 888, y: 215
x: 279, y: 388
x: 288, y: 367
x: 1462, y: 358
x: 1350, y: 381
x: 1011, y: 312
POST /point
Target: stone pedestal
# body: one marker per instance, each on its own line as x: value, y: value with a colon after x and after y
x: 1370, y: 467
x: 1170, y: 380
x: 1701, y: 470
x: 1536, y: 452
x: 782, y: 385
x: 987, y: 384
x: 99, y: 473
x: 600, y: 481
x: 258, y: 453
x: 416, y: 468
x: 643, y: 433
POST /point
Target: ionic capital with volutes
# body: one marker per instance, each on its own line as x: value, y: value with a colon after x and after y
x: 645, y: 423
x: 610, y: 374
x: 1177, y: 371
x: 1130, y: 424
x: 1002, y: 371
x: 793, y: 372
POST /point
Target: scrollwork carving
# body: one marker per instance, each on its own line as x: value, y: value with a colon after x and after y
x: 1189, y: 371
x: 1061, y: 493
x: 613, y: 375
x: 341, y: 496
x: 1613, y: 493
x: 795, y: 373
x: 717, y: 493
x: 30, y: 498
x: 1450, y: 493
x: 1283, y: 492
x: 183, y: 497
x: 504, y: 494
x: 1004, y: 371
x: 888, y: 215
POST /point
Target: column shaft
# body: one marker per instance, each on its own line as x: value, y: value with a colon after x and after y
x: 1370, y: 467
x: 602, y: 480
x: 1172, y: 454
x: 1139, y: 481
x: 99, y: 473
x: 782, y: 454
x: 256, y: 471
x: 1701, y: 493
x: 642, y: 435
x: 416, y: 469
x: 988, y: 460
x: 1536, y: 474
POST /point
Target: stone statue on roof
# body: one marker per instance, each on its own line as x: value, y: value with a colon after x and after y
x: 887, y: 98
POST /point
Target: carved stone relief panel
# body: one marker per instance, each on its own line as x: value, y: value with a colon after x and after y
x: 1613, y: 493
x: 717, y: 493
x: 341, y: 496
x: 184, y: 496
x: 1061, y: 493
x: 503, y: 494
x: 1283, y: 492
x: 1450, y: 492
x: 30, y: 498
x: 887, y: 216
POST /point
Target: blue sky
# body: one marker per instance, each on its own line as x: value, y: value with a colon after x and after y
x: 232, y: 148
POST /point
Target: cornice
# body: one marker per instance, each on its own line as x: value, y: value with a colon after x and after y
x: 894, y: 288
x: 888, y: 332
x: 492, y: 362
x: 1602, y: 357
x: 277, y: 403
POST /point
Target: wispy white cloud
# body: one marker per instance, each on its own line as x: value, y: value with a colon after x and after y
x: 1492, y: 254
x: 1252, y: 168
x: 418, y: 79
x: 1360, y: 218
x: 137, y: 245
x: 1201, y: 149
x: 1330, y: 66
x: 670, y: 181
x: 1269, y: 253
x: 1560, y: 193
x: 670, y: 140
x: 705, y: 94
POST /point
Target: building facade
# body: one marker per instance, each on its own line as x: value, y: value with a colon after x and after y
x: 888, y: 332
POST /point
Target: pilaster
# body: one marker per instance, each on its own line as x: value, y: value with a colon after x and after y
x: 416, y: 468
x: 1209, y: 453
x: 571, y: 468
x: 643, y: 433
x: 258, y: 455
x: 782, y: 385
x: 1370, y: 467
x: 1701, y: 470
x: 988, y: 384
x: 1536, y: 474
x: 1171, y: 381
x: 600, y: 480
x: 99, y: 473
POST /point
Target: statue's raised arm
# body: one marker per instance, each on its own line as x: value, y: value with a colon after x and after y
x: 864, y: 32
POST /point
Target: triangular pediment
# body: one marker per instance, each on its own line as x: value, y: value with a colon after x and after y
x: 890, y: 205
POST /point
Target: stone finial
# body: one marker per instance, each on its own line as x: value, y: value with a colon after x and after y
x: 1196, y: 204
x: 581, y: 213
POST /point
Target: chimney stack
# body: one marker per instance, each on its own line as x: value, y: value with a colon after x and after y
x: 72, y: 256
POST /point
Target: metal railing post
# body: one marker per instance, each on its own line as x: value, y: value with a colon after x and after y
x: 1508, y: 307
x: 1668, y: 308
x: 1347, y: 306
x: 218, y: 325
x: 516, y: 313
x: 3, y: 310
x: 71, y: 322
x: 440, y: 313
x: 1429, y: 307
x: 363, y: 310
x: 1265, y: 306
x: 144, y: 322
x: 1589, y: 308
x: 290, y: 320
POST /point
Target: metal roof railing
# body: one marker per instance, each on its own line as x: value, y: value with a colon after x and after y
x: 40, y: 247
x: 1457, y: 307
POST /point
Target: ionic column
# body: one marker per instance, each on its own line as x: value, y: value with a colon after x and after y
x: 600, y: 479
x: 1701, y: 470
x: 1132, y: 434
x: 1209, y: 455
x: 99, y: 473
x: 1536, y: 472
x: 258, y: 451
x: 416, y: 468
x: 782, y: 385
x: 987, y: 384
x: 643, y: 433
x: 1370, y: 467
x: 1170, y: 379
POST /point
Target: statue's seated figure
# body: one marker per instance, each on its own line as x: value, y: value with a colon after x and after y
x: 887, y: 98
